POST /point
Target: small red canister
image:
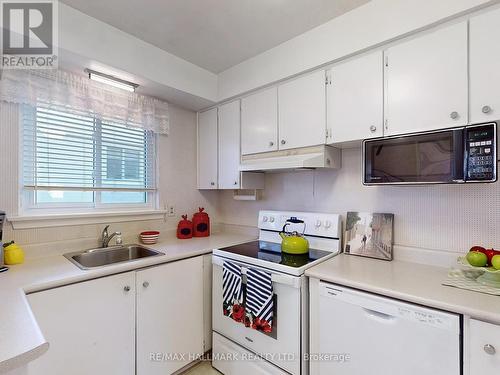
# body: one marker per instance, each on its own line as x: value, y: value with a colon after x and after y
x: 201, y: 224
x: 184, y: 228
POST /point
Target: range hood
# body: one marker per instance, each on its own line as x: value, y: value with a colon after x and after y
x: 295, y: 159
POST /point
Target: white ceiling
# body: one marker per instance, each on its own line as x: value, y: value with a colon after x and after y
x: 215, y: 34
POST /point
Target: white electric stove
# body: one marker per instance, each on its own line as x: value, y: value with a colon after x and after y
x: 241, y: 350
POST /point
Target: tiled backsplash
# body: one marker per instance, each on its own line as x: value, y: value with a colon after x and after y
x: 448, y: 218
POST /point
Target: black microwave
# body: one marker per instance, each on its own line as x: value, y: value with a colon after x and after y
x: 450, y: 156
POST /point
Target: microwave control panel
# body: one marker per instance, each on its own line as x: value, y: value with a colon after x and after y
x: 481, y: 153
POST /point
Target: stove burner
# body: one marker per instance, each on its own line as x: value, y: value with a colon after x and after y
x: 271, y: 252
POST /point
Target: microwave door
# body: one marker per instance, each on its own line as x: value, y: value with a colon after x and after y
x: 416, y: 159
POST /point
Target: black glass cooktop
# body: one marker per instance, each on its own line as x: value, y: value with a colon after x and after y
x: 271, y: 252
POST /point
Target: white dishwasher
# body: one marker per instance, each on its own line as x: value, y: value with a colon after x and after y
x: 357, y: 333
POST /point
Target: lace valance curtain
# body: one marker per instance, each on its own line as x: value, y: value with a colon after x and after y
x: 62, y: 89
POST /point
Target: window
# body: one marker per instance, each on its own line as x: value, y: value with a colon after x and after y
x: 75, y: 159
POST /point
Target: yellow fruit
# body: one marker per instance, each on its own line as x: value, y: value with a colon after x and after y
x: 13, y: 254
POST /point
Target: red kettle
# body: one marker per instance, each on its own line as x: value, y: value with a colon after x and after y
x: 184, y: 228
x: 201, y: 224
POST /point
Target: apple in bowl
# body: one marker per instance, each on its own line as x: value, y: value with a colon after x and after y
x: 490, y: 253
x: 495, y: 262
x: 477, y: 258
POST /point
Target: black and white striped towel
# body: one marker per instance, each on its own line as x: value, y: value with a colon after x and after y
x: 232, y: 286
x: 259, y: 301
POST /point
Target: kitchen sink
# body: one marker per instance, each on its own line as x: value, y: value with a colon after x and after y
x: 101, y: 257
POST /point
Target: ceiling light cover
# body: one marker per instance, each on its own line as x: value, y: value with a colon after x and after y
x: 112, y: 81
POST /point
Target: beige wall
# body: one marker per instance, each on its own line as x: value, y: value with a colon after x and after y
x: 177, y: 187
x: 446, y: 217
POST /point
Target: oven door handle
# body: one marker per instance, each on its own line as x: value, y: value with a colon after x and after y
x: 277, y: 278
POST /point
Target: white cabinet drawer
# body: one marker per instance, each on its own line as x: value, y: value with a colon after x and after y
x: 484, y: 348
x: 231, y: 359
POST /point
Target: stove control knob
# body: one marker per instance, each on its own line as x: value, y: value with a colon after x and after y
x: 327, y: 224
x: 271, y: 219
x: 264, y: 219
x: 318, y: 223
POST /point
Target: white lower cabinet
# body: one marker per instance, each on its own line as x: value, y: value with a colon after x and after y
x: 137, y: 323
x: 483, y: 346
x: 207, y: 302
x: 90, y: 327
x: 169, y: 316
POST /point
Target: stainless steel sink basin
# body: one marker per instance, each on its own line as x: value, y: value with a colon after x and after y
x: 101, y: 257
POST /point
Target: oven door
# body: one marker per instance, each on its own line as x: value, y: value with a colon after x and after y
x: 424, y: 158
x: 282, y: 346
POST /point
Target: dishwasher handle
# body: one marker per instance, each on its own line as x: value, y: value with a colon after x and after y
x: 379, y: 316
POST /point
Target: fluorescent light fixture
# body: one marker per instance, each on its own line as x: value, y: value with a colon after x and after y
x: 112, y: 81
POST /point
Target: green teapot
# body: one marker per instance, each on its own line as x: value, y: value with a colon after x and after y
x: 294, y: 242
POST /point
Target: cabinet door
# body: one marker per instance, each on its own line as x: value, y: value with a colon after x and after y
x: 90, y: 327
x: 207, y: 149
x: 355, y: 99
x: 427, y: 82
x: 259, y: 122
x: 207, y: 302
x: 229, y: 145
x: 484, y: 72
x: 302, y: 111
x: 484, y: 348
x: 169, y: 316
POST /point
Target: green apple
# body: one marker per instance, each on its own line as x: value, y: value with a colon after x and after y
x: 495, y: 262
x: 477, y: 258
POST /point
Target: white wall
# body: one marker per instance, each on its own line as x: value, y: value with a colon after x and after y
x: 177, y: 187
x: 377, y: 22
x: 93, y: 40
x: 449, y: 218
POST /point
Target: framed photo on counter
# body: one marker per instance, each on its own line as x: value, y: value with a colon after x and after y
x: 369, y: 235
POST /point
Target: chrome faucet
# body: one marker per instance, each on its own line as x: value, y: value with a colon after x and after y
x: 105, y: 237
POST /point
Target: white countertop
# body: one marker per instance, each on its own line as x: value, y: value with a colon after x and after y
x: 417, y: 283
x: 22, y: 340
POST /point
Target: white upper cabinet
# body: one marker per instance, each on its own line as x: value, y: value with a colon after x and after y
x: 229, y: 145
x: 355, y: 99
x: 484, y: 71
x: 427, y: 81
x: 207, y: 149
x: 259, y: 122
x: 302, y: 111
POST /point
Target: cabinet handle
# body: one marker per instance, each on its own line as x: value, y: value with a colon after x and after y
x: 145, y: 284
x: 236, y: 182
x: 489, y: 349
x: 271, y: 144
x: 454, y: 115
x: 373, y: 128
x: 283, y: 141
x: 486, y: 109
x: 212, y: 183
x: 126, y: 288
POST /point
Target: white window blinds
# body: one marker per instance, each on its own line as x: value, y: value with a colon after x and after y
x: 69, y: 150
